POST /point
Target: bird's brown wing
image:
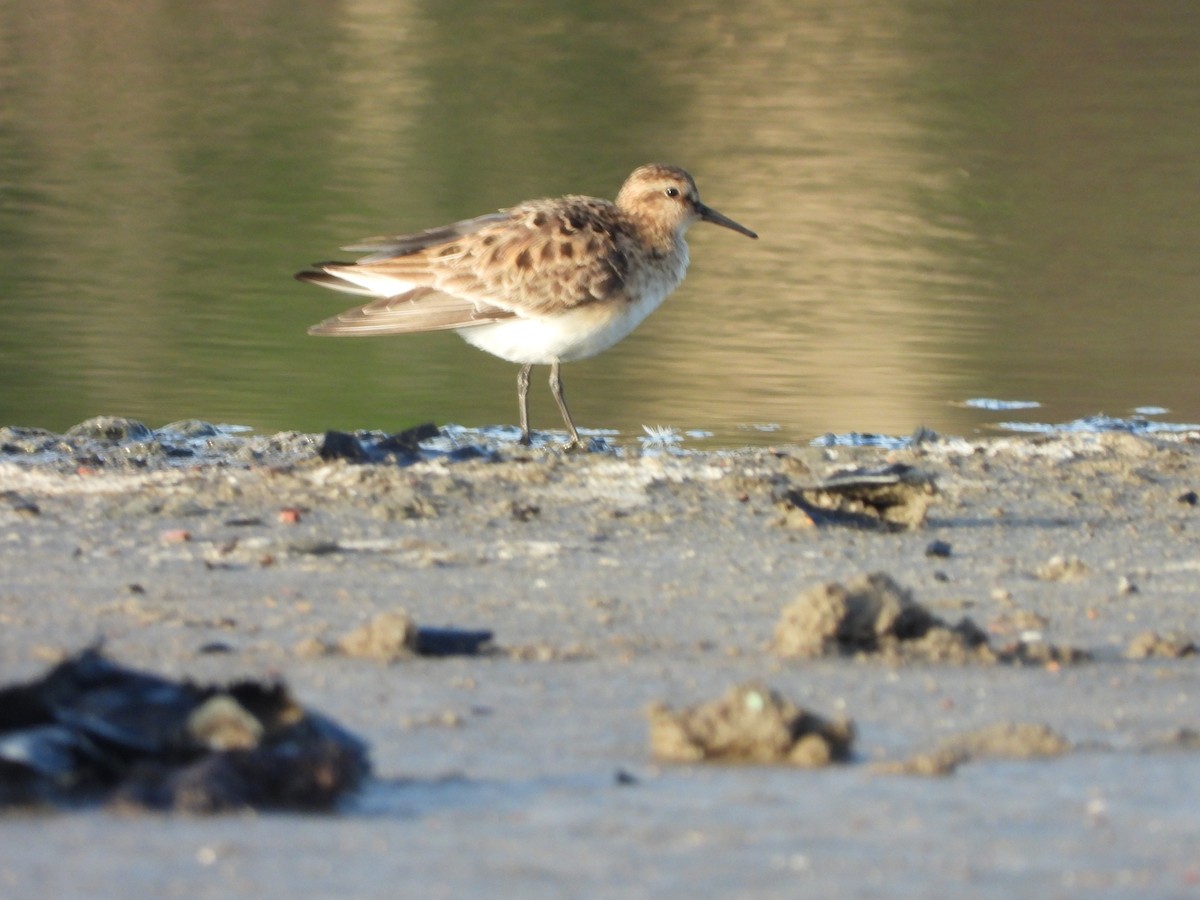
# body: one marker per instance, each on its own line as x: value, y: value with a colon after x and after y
x: 389, y: 246
x: 421, y: 309
x: 537, y: 258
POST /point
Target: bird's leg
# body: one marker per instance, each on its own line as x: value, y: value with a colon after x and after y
x: 523, y: 401
x: 557, y: 391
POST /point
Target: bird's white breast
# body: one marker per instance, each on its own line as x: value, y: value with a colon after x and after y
x: 563, y: 337
x: 581, y: 331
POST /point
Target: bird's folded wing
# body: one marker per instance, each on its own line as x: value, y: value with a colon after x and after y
x: 389, y: 246
x: 421, y: 309
x: 535, y: 259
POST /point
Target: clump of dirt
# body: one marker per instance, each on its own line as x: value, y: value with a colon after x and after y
x: 1004, y: 740
x: 1063, y: 568
x: 1040, y: 653
x: 872, y: 615
x: 387, y: 637
x: 751, y: 723
x: 1018, y: 621
x: 393, y: 636
x: 895, y: 498
x: 1182, y: 738
x: 869, y: 614
x: 544, y: 652
x: 1149, y: 644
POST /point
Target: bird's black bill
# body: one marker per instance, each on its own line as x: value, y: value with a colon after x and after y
x: 709, y: 214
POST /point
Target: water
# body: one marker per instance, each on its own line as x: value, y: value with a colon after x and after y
x: 956, y: 200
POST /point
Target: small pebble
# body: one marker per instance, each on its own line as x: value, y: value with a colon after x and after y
x: 1126, y: 586
x: 939, y: 549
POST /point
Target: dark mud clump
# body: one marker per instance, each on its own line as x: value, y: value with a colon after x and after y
x: 401, y: 448
x: 874, y: 616
x: 750, y: 724
x: 1004, y: 740
x: 92, y: 731
x: 894, y: 498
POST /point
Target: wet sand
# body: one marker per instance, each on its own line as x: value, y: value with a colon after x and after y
x: 614, y: 584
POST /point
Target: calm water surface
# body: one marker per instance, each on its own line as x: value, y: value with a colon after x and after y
x: 955, y: 200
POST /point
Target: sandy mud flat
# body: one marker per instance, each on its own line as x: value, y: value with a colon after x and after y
x: 1008, y: 667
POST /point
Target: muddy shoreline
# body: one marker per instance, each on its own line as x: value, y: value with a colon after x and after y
x: 612, y: 582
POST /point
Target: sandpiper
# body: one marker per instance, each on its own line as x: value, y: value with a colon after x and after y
x: 542, y: 283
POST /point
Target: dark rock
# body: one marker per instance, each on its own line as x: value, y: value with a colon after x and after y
x: 92, y: 730
x: 409, y: 440
x: 450, y: 641
x: 403, y: 447
x: 340, y: 445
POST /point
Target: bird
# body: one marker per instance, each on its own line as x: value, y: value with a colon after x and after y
x: 544, y: 282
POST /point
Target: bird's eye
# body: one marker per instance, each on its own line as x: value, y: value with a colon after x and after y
x: 672, y: 192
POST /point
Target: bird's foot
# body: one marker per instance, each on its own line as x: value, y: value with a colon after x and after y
x: 573, y: 444
x: 577, y: 444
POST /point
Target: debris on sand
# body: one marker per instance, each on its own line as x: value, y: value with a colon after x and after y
x: 1004, y: 740
x: 387, y: 637
x: 893, y: 498
x: 1149, y: 644
x: 1038, y: 652
x: 1182, y: 738
x: 402, y: 448
x: 93, y: 731
x: 750, y: 724
x: 392, y: 636
x: 873, y: 615
x: 868, y: 614
x: 1063, y: 568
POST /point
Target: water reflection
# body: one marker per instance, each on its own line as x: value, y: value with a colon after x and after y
x: 954, y: 200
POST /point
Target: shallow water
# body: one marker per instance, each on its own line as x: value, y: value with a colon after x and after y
x: 955, y: 200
